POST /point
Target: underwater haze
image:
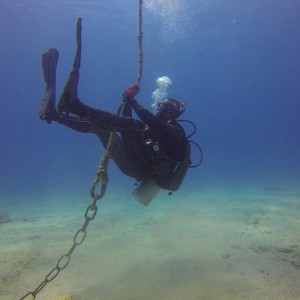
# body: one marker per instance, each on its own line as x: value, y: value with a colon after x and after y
x: 235, y: 63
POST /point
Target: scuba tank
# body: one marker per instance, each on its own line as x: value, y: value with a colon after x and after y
x: 146, y: 191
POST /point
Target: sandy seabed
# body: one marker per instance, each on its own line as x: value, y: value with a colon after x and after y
x: 192, y: 245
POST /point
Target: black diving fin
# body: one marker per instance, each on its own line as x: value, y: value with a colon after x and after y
x: 49, y: 64
x: 70, y: 92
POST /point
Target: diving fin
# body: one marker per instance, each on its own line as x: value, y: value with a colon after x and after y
x: 70, y: 92
x: 49, y: 63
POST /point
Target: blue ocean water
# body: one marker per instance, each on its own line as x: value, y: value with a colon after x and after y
x: 236, y: 64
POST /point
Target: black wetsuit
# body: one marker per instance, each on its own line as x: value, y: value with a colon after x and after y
x: 145, y: 149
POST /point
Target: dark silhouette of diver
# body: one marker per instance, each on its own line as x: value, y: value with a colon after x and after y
x: 154, y: 148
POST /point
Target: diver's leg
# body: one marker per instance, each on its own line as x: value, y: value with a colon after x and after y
x: 75, y: 123
x: 131, y: 131
x: 127, y: 152
x: 117, y: 153
x: 105, y: 120
x: 49, y: 63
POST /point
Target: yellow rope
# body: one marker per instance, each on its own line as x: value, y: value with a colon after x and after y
x: 140, y: 39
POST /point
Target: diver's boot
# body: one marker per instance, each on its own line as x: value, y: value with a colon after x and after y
x: 49, y: 62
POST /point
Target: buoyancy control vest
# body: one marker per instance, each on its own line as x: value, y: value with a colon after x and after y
x: 170, y: 158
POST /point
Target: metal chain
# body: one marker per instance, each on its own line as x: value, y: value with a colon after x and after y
x: 64, y: 260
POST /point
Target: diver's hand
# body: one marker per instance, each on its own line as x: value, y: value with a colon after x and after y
x: 131, y: 92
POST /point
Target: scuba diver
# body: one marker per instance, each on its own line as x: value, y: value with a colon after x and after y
x: 153, y: 149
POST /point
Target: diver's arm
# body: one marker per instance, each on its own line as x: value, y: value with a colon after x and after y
x: 117, y: 152
x: 146, y: 116
x: 154, y: 122
x: 127, y: 109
